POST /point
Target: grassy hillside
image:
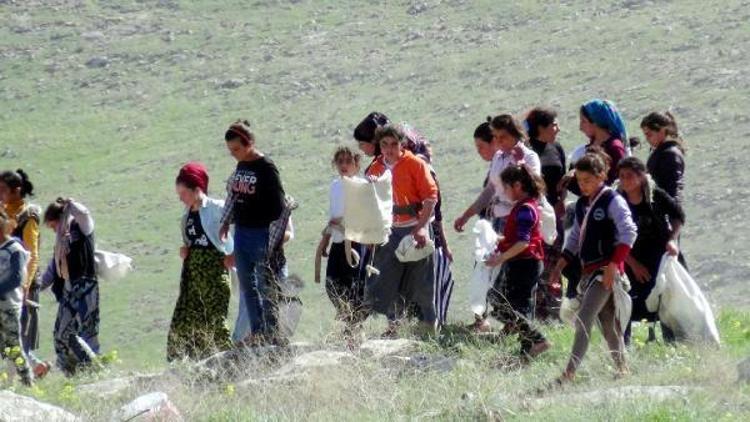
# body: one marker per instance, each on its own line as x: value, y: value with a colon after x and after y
x: 104, y: 100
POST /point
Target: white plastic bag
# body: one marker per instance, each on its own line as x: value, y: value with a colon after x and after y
x: 547, y: 221
x: 407, y: 249
x: 368, y: 209
x: 483, y: 276
x: 112, y: 266
x: 681, y: 304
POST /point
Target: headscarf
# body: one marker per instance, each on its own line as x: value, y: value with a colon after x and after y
x: 194, y: 174
x: 604, y: 114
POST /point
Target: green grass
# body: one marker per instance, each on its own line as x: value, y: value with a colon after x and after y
x: 114, y: 137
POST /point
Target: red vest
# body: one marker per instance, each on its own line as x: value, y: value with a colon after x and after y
x: 535, y: 250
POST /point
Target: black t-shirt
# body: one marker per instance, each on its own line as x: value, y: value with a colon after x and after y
x: 196, y: 236
x: 552, y: 158
x: 259, y: 196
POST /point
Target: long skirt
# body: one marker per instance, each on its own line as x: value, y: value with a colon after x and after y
x: 199, y: 324
x: 77, y: 325
x: 30, y: 321
x: 443, y: 284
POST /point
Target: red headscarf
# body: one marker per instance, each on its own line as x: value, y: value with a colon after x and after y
x: 194, y: 174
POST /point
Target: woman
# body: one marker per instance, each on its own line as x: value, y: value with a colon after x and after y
x: 15, y: 188
x: 666, y: 164
x: 659, y: 218
x: 364, y: 134
x: 486, y: 147
x: 72, y: 275
x: 255, y: 199
x: 542, y: 128
x: 510, y: 139
x: 198, y: 327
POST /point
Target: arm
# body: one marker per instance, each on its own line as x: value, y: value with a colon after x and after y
x: 671, y: 171
x: 49, y: 275
x: 483, y: 201
x: 227, y: 217
x: 82, y: 216
x: 31, y: 240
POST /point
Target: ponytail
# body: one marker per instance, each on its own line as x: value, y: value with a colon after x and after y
x: 18, y: 180
x: 657, y: 121
x: 531, y: 183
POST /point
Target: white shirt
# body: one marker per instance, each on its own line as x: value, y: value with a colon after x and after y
x: 336, y: 208
x: 501, y: 160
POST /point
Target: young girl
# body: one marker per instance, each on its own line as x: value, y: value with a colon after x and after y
x: 364, y: 134
x: 601, y: 238
x: 521, y: 250
x: 199, y: 327
x: 666, y: 164
x: 659, y: 218
x: 509, y: 137
x: 72, y: 275
x: 255, y: 198
x: 542, y: 128
x: 13, y: 262
x: 15, y: 188
x: 341, y: 285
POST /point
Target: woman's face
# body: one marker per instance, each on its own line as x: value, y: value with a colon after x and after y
x: 367, y: 148
x: 486, y: 150
x: 187, y: 196
x: 549, y: 134
x: 238, y: 150
x: 391, y: 149
x: 504, y: 140
x: 630, y: 181
x: 654, y: 137
x: 586, y: 127
x: 4, y: 192
x: 589, y: 182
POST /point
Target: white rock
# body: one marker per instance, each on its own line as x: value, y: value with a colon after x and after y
x: 150, y: 407
x: 17, y: 408
x: 319, y: 359
x: 378, y: 349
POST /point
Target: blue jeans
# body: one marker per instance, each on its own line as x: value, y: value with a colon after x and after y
x: 250, y: 250
x: 242, y: 325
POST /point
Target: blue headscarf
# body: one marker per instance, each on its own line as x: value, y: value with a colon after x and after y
x: 603, y: 113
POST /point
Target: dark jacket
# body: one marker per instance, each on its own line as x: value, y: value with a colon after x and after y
x: 666, y: 164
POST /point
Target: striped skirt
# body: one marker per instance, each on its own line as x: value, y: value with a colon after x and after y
x: 443, y: 284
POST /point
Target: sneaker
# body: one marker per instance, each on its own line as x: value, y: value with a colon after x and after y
x: 41, y: 369
x: 538, y: 348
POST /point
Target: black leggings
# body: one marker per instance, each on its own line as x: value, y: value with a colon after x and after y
x: 514, y: 302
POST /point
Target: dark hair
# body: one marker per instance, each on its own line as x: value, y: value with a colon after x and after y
x: 388, y: 131
x: 657, y: 121
x: 365, y: 130
x: 344, y: 151
x: 509, y: 124
x: 54, y: 210
x: 632, y: 163
x: 595, y: 161
x: 539, y: 117
x: 240, y: 130
x: 18, y: 179
x: 484, y: 132
x: 531, y: 183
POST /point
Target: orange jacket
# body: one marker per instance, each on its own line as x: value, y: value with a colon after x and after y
x: 412, y: 183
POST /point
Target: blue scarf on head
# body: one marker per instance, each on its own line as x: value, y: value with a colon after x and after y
x: 604, y: 114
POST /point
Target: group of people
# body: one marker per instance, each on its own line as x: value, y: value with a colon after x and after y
x: 611, y: 239
x: 70, y: 275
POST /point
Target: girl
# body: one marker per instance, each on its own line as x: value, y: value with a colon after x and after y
x: 509, y: 138
x: 601, y: 238
x: 198, y: 327
x: 15, y: 188
x: 604, y: 127
x: 364, y: 134
x: 486, y: 147
x: 13, y: 264
x: 522, y: 253
x: 255, y: 198
x: 341, y: 285
x: 659, y: 218
x: 542, y: 127
x: 666, y: 164
x: 72, y: 275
